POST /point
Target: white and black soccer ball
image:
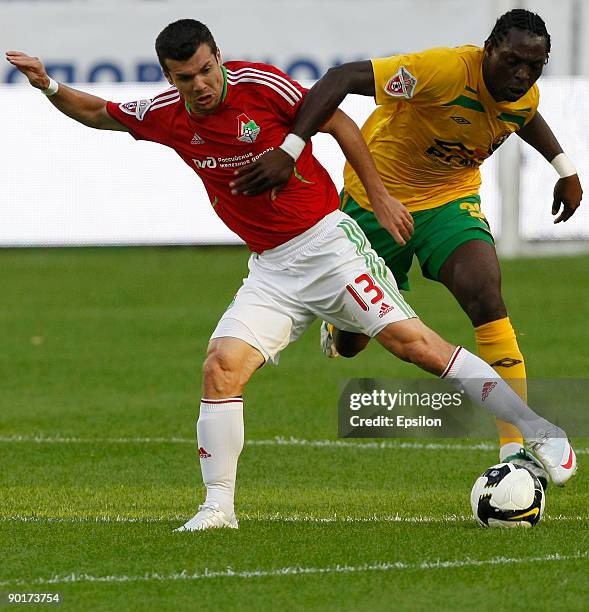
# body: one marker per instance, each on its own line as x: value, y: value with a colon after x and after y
x: 507, y: 495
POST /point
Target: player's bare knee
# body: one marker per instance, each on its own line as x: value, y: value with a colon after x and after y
x: 220, y: 374
x: 348, y: 344
x: 485, y: 306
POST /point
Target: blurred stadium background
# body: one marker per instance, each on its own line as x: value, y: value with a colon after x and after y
x: 81, y: 187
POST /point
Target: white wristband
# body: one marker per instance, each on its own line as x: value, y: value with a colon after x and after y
x: 52, y: 89
x: 293, y: 145
x: 563, y: 165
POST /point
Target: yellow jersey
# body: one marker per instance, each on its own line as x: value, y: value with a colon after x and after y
x: 435, y: 125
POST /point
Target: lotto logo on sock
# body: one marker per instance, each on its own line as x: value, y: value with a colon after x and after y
x: 487, y: 388
x: 202, y: 453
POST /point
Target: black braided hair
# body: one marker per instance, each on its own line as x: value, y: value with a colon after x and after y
x: 521, y: 19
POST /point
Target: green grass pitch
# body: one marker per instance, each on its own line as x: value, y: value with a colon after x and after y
x: 100, y: 374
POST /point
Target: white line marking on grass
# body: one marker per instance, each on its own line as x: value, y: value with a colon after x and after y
x: 277, y: 441
x: 269, y: 518
x: 376, y: 445
x: 57, y: 439
x: 387, y: 518
x: 385, y: 566
x: 99, y: 518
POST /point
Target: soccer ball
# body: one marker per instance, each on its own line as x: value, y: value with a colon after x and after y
x: 507, y: 495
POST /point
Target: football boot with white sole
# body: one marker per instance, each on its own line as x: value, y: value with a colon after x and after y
x: 210, y: 516
x: 328, y: 341
x: 556, y: 454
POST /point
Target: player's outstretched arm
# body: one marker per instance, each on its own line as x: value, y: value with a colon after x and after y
x: 85, y: 108
x: 390, y: 213
x: 329, y: 91
x: 567, y: 191
x: 275, y: 167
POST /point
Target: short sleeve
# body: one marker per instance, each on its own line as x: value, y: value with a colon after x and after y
x: 533, y: 98
x: 283, y: 93
x: 419, y: 77
x: 141, y: 118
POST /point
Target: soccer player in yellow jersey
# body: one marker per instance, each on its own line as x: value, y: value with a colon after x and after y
x: 440, y: 114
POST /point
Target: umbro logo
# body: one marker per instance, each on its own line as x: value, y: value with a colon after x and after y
x: 196, y: 139
x: 385, y: 309
x: 461, y: 120
x: 506, y: 362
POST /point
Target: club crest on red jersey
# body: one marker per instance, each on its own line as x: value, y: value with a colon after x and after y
x: 401, y: 85
x: 137, y: 108
x: 247, y: 129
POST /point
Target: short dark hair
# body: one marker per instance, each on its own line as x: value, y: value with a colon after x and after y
x: 523, y: 20
x: 180, y: 40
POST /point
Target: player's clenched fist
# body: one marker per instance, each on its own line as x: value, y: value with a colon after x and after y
x: 31, y: 67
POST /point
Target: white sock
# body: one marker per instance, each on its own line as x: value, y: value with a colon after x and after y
x: 511, y: 448
x: 486, y: 388
x: 219, y: 432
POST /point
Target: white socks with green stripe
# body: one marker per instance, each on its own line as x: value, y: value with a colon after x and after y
x: 486, y: 388
x: 219, y: 431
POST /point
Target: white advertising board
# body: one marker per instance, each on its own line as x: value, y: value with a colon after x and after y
x: 64, y: 184
x: 107, y: 40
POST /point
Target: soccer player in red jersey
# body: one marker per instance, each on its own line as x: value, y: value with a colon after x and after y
x: 308, y: 258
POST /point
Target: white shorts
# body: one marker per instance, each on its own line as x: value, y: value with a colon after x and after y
x: 331, y: 272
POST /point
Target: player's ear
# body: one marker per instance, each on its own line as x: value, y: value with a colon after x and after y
x: 165, y: 72
x: 218, y: 56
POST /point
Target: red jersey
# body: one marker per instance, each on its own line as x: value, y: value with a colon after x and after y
x: 257, y: 110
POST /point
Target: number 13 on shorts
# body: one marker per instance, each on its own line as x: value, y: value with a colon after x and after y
x: 369, y: 287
